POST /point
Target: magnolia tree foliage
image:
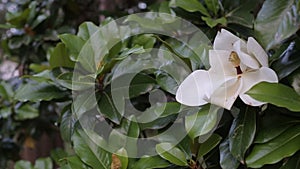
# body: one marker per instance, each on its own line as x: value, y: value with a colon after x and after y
x: 124, y: 89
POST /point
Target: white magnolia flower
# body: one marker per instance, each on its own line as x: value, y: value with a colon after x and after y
x: 236, y: 66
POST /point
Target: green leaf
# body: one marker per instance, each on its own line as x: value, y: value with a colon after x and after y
x: 5, y: 112
x: 147, y: 41
x: 38, y: 20
x: 59, y: 57
x: 25, y: 112
x: 167, y: 82
x: 117, y: 140
x: 37, y: 92
x: 288, y: 61
x: 133, y: 128
x: 190, y: 5
x: 276, y: 21
x: 242, y: 133
x: 214, y: 22
x: 203, y: 121
x: 227, y: 160
x: 213, y: 5
x: 243, y: 14
x: 108, y: 109
x: 275, y: 150
x: 171, y: 153
x: 71, y: 79
x: 292, y: 162
x: 43, y: 163
x: 18, y: 19
x: 277, y: 94
x: 85, y: 100
x: 67, y: 124
x: 268, y: 131
x: 140, y: 84
x: 58, y: 155
x: 74, y: 162
x: 73, y: 44
x: 208, y: 145
x: 89, y: 152
x: 86, y: 30
x: 159, y: 110
x: 150, y: 162
x: 122, y: 155
x: 23, y: 165
x: 6, y: 91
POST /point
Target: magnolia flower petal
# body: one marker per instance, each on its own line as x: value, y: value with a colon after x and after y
x: 224, y: 40
x: 241, y: 49
x: 255, y: 49
x: 227, y: 93
x: 195, y: 89
x: 219, y: 62
x: 250, y: 79
x: 264, y: 74
x: 250, y: 101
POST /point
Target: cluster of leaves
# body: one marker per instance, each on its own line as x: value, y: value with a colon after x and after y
x: 29, y: 30
x: 256, y: 137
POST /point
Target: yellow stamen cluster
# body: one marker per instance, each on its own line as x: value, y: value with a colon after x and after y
x: 234, y: 59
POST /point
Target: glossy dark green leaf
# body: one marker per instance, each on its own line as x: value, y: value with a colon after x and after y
x: 38, y: 91
x: 203, y: 121
x: 123, y: 157
x: 242, y: 133
x: 268, y: 131
x: 25, y: 112
x: 86, y: 30
x: 118, y: 141
x: 214, y: 22
x: 133, y: 128
x: 213, y: 5
x: 147, y: 41
x: 74, y: 162
x: 151, y: 162
x: 158, y: 123
x: 141, y: 84
x: 159, y: 110
x: 184, y: 51
x: 72, y: 79
x: 38, y: 20
x: 59, y: 57
x: 58, y: 155
x: 73, y: 44
x: 18, y: 19
x: 17, y: 41
x: 171, y: 153
x: 227, y: 160
x: 167, y: 82
x: 191, y: 6
x: 84, y: 101
x: 6, y: 91
x: 208, y: 145
x: 89, y: 152
x: 277, y: 94
x: 43, y: 163
x: 243, y: 13
x: 288, y: 61
x: 292, y: 162
x: 276, y: 149
x: 276, y: 21
x: 67, y: 124
x: 108, y: 109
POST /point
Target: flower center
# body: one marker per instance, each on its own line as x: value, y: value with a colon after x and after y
x: 235, y: 60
